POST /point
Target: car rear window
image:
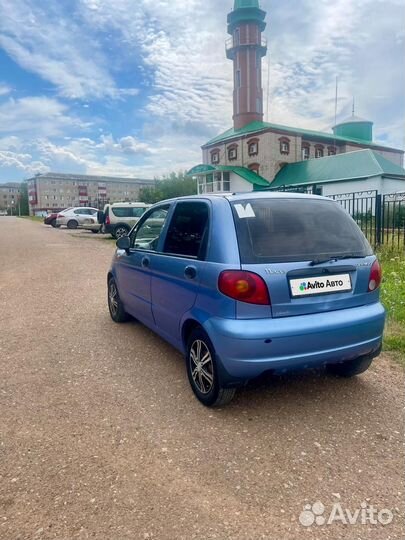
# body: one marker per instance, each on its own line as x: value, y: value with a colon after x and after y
x: 287, y: 230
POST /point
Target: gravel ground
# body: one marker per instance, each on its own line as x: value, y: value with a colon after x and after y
x: 101, y: 437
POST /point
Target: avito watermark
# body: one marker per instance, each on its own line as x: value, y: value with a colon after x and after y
x: 367, y: 514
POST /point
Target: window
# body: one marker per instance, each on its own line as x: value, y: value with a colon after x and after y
x: 215, y: 157
x: 218, y: 181
x: 122, y: 211
x: 331, y: 151
x: 238, y: 82
x: 284, y: 146
x: 187, y: 234
x: 209, y: 186
x: 305, y: 152
x: 226, y: 183
x: 237, y: 36
x: 255, y: 167
x: 285, y: 230
x: 253, y: 148
x: 232, y: 152
x: 258, y: 105
x: 138, y: 212
x: 147, y: 236
x: 319, y: 151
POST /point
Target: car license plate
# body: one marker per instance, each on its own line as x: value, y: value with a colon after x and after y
x: 320, y: 285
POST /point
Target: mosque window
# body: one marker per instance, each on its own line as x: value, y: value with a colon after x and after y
x: 319, y: 151
x: 215, y: 156
x: 233, y: 152
x: 238, y: 79
x: 331, y: 151
x: 305, y: 151
x: 284, y: 145
x: 253, y: 147
x: 255, y: 167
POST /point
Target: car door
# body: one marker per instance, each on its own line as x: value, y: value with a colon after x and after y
x: 134, y: 268
x: 86, y: 216
x: 177, y: 268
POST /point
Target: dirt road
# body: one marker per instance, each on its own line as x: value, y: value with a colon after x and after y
x: 102, y: 438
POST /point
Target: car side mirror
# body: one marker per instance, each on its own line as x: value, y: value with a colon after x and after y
x: 124, y: 243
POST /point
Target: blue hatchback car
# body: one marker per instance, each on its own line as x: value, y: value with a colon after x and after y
x: 249, y: 283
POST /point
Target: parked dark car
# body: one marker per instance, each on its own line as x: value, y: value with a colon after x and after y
x: 50, y: 219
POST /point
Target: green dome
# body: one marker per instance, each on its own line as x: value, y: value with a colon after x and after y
x: 355, y: 128
x: 245, y: 11
x: 246, y: 4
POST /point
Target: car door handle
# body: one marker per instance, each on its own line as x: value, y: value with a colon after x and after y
x: 145, y: 262
x: 190, y: 272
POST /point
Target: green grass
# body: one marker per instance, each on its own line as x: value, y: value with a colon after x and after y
x: 39, y: 219
x: 393, y: 298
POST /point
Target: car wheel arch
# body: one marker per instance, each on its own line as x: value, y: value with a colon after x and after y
x: 188, y: 326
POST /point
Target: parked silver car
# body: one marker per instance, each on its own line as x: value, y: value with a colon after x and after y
x: 76, y: 217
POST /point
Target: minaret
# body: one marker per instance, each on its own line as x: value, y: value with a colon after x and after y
x: 246, y: 48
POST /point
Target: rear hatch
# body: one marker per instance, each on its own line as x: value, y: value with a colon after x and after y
x: 309, y: 251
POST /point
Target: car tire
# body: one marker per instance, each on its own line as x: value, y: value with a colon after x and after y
x: 115, y: 305
x: 202, y: 371
x: 72, y: 224
x: 54, y: 224
x: 120, y: 230
x: 95, y: 231
x: 350, y: 368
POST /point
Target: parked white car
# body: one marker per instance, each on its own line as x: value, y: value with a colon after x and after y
x: 118, y: 218
x: 77, y: 217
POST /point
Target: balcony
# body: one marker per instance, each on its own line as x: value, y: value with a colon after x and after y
x: 230, y: 46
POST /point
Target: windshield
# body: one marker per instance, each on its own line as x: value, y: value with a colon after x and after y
x: 287, y: 230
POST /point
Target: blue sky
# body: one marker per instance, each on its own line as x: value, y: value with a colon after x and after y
x: 134, y: 87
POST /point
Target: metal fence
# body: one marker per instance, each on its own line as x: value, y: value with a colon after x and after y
x: 380, y: 217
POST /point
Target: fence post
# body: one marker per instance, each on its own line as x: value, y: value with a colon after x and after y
x: 378, y: 219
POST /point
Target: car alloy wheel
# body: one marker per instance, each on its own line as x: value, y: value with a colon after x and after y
x: 113, y: 298
x: 120, y: 231
x: 201, y: 366
x: 115, y: 306
x: 202, y: 371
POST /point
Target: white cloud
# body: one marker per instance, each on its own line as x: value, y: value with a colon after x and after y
x: 357, y: 41
x: 125, y: 145
x: 21, y: 162
x: 191, y: 80
x: 37, y: 115
x: 4, y: 89
x: 45, y: 40
x: 177, y: 50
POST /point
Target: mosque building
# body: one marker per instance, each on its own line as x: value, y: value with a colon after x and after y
x: 254, y: 154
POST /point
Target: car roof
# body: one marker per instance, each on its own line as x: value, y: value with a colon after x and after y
x: 248, y: 195
x: 135, y: 204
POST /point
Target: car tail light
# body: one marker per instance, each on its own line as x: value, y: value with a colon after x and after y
x: 244, y: 286
x: 375, y: 276
x: 107, y: 219
x: 59, y: 216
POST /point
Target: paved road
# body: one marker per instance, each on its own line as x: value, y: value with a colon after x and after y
x: 102, y: 438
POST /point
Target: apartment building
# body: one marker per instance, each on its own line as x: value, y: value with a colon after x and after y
x: 56, y: 191
x: 10, y: 193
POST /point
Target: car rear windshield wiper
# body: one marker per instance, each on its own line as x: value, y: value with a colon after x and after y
x: 336, y: 258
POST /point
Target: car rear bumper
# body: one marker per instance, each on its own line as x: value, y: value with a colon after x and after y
x: 91, y: 226
x: 248, y: 348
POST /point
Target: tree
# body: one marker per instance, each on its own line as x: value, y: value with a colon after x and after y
x: 173, y: 185
x: 24, y: 208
